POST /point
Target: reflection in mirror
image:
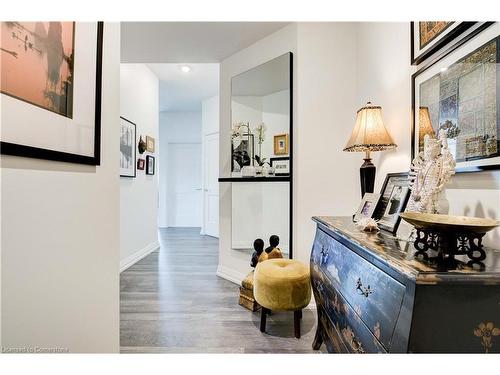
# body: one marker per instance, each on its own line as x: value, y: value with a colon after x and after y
x: 259, y: 210
x: 261, y: 135
x: 260, y: 118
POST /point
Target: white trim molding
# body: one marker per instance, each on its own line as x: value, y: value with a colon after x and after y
x: 230, y: 275
x: 137, y: 256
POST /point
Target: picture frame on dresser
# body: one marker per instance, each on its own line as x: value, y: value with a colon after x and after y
x: 457, y: 94
x: 428, y: 37
x: 367, y: 206
x: 51, y: 107
x: 394, y: 196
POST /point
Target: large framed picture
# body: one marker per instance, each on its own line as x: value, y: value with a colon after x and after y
x: 51, y: 90
x: 460, y: 94
x: 127, y: 148
x: 427, y: 37
x: 393, y: 199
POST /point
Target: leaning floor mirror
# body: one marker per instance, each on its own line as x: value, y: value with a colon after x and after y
x: 261, y: 154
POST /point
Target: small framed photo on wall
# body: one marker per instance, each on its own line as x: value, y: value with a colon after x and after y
x: 150, y: 165
x: 281, y: 166
x: 150, y: 144
x: 140, y: 164
x: 367, y: 206
x: 281, y: 144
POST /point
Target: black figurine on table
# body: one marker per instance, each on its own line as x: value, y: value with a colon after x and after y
x: 273, y: 251
x: 258, y: 246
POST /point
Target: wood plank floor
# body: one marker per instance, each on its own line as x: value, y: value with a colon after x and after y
x: 172, y: 302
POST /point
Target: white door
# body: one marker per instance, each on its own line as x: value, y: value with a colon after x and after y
x: 184, y: 185
x: 211, y: 185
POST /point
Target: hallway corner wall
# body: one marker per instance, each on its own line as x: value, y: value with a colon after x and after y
x: 60, y: 240
x: 139, y: 103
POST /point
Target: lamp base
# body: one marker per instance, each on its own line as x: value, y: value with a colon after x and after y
x: 367, y: 176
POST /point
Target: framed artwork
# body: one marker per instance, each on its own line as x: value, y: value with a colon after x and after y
x: 51, y: 90
x: 427, y: 37
x: 150, y: 144
x: 150, y: 165
x: 127, y: 148
x: 281, y: 144
x: 242, y: 151
x: 281, y: 166
x: 393, y: 199
x: 460, y: 94
x: 140, y: 164
x: 367, y: 206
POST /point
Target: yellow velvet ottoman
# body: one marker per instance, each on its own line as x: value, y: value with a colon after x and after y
x: 282, y: 285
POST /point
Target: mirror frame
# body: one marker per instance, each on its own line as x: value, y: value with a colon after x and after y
x: 288, y: 178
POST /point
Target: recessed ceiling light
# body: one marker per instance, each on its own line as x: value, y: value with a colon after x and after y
x: 185, y: 69
x: 444, y: 69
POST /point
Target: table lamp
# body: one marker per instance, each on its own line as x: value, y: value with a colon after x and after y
x: 369, y: 134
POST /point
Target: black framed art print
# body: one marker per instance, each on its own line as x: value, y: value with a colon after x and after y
x: 51, y: 76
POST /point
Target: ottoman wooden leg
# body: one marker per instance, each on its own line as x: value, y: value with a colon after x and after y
x: 263, y: 315
x: 296, y: 322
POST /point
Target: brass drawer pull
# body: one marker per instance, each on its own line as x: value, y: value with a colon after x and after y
x: 363, y: 291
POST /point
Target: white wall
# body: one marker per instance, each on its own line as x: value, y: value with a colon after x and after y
x: 384, y: 78
x: 139, y: 103
x: 276, y: 117
x: 60, y: 239
x: 326, y: 180
x: 210, y: 115
x: 175, y: 127
x: 234, y: 264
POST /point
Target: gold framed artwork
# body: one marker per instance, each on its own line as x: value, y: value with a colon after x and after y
x: 428, y: 37
x: 281, y: 144
x: 150, y: 144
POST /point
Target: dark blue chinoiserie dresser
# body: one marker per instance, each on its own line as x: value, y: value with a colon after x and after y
x: 374, y: 295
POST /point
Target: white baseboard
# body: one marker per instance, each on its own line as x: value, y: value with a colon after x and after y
x: 137, y: 256
x: 230, y: 275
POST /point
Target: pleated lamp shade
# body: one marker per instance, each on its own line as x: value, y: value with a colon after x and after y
x: 424, y: 125
x: 369, y: 132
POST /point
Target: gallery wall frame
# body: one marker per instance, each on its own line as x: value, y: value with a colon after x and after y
x: 128, y: 148
x: 150, y: 165
x: 449, y: 31
x: 18, y: 114
x: 460, y: 52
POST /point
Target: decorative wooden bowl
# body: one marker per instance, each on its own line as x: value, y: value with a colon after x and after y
x: 439, y: 222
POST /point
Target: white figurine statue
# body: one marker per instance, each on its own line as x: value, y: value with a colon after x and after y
x: 430, y: 172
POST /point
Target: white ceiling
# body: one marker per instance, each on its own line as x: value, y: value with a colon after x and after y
x: 181, y: 91
x: 189, y: 42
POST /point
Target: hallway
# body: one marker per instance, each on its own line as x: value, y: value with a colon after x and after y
x: 172, y: 302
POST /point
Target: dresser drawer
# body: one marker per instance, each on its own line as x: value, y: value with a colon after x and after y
x: 374, y: 296
x: 341, y: 322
